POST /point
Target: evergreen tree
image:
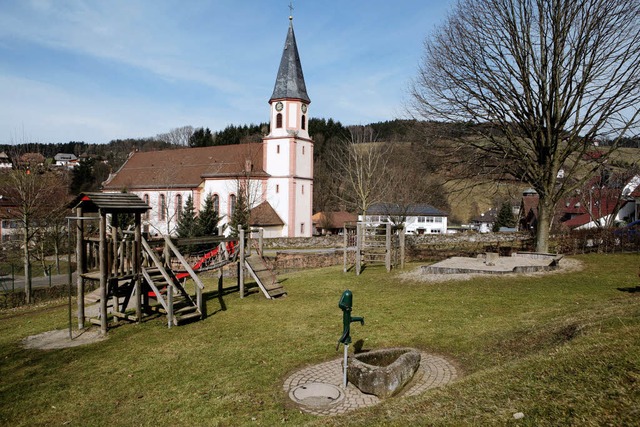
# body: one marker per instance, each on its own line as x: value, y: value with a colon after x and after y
x: 82, y: 177
x: 240, y: 216
x: 208, y: 218
x: 188, y: 222
x: 504, y: 218
x: 201, y: 138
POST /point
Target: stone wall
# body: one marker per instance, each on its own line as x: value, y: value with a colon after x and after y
x: 418, y: 248
x: 335, y: 241
x: 294, y: 261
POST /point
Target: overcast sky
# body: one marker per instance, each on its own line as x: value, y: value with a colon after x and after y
x: 97, y: 70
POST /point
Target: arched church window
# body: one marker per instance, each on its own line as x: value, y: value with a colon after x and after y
x: 162, y: 206
x: 216, y: 203
x: 279, y: 120
x: 303, y: 123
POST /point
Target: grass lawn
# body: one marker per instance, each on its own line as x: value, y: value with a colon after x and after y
x: 564, y: 349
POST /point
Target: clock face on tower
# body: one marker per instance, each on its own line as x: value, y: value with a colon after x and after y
x: 304, y: 108
x: 279, y: 106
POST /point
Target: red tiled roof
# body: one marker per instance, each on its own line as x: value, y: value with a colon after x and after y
x: 597, y: 213
x: 186, y: 167
x: 334, y: 219
x: 530, y: 204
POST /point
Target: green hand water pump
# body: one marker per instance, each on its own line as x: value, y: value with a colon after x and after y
x: 346, y: 304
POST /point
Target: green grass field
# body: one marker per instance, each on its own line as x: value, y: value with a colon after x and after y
x: 564, y: 349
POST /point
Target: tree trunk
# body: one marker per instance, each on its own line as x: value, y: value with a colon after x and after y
x: 56, y: 248
x: 545, y: 213
x: 27, y: 267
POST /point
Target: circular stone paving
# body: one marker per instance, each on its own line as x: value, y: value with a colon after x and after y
x: 318, y: 389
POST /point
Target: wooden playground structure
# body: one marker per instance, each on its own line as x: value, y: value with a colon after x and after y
x: 137, y: 277
x: 374, y: 244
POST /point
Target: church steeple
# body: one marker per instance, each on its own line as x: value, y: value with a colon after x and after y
x: 290, y: 81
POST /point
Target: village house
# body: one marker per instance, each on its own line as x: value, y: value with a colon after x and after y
x: 66, y: 160
x: 598, y: 205
x: 483, y: 223
x: 5, y: 162
x: 327, y: 223
x: 416, y: 218
x: 276, y: 175
x: 10, y: 228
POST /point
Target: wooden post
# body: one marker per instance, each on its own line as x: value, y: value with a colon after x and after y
x: 359, y: 248
x: 345, y: 243
x: 387, y: 255
x: 166, y: 254
x: 241, y: 264
x: 104, y: 272
x: 80, y: 266
x: 402, y: 246
x: 170, y: 305
x: 261, y: 241
x: 137, y: 270
x: 113, y: 272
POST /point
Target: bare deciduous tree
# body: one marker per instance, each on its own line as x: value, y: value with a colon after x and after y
x: 543, y: 79
x: 36, y: 196
x: 178, y: 136
x: 363, y: 169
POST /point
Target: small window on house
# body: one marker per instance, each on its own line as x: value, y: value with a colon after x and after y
x: 232, y: 204
x: 302, y: 228
x: 303, y: 150
x: 216, y: 203
x: 278, y: 149
x: 279, y: 120
x: 303, y: 123
x: 277, y: 188
x: 162, y: 205
x: 178, y: 206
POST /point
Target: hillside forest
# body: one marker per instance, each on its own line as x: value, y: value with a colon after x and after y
x: 417, y: 166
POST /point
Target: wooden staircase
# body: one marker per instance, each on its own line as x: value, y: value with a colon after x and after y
x: 265, y: 278
x: 173, y: 299
x: 161, y: 284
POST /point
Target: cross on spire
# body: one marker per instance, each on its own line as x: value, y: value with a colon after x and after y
x: 291, y: 10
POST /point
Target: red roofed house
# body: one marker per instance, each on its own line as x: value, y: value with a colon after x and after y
x: 597, y: 206
x: 332, y: 222
x: 278, y: 172
x: 601, y: 206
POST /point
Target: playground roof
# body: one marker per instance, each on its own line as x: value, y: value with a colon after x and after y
x: 110, y: 203
x: 187, y: 167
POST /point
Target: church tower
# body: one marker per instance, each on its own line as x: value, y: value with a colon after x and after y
x: 288, y: 149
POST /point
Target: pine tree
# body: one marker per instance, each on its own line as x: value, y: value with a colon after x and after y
x: 208, y: 218
x: 188, y: 222
x: 240, y: 216
x: 504, y: 218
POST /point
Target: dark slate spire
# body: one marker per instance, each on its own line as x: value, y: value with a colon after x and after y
x: 290, y: 80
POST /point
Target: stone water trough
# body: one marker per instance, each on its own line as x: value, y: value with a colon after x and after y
x: 383, y: 372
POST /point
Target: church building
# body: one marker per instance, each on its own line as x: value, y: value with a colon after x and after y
x: 275, y: 176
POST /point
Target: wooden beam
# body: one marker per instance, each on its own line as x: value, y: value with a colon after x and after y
x: 80, y: 266
x: 103, y: 273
